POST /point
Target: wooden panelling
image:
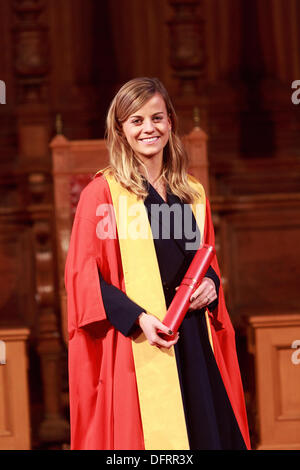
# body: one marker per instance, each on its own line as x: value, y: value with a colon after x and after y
x: 277, y: 380
x: 260, y: 252
x: 17, y: 287
x: 14, y: 399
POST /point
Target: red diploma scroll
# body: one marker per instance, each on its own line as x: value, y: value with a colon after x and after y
x: 192, y: 279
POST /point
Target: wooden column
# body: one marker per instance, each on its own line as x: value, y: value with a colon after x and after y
x: 196, y: 145
x: 54, y: 428
x: 31, y: 64
x: 187, y: 59
x: 186, y: 40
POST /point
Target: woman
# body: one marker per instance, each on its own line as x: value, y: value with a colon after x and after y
x: 137, y: 227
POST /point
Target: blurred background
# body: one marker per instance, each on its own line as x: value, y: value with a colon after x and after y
x: 229, y: 66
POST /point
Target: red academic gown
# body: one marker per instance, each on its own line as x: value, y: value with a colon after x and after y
x: 104, y: 404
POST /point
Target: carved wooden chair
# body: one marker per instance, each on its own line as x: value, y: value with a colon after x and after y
x: 74, y: 164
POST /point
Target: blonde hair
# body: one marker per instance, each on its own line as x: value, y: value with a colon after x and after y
x: 124, y: 164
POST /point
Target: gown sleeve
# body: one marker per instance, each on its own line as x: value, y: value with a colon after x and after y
x: 121, y: 311
x: 82, y: 284
x: 88, y: 253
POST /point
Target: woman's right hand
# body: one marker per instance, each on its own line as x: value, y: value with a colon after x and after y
x: 150, y: 326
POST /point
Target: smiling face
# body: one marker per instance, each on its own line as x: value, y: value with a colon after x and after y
x: 147, y: 130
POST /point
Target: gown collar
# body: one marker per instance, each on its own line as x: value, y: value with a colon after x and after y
x: 154, y: 197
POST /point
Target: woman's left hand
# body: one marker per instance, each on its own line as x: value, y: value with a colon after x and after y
x: 204, y: 295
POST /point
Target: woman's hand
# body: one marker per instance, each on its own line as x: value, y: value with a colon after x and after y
x: 204, y: 295
x: 150, y: 326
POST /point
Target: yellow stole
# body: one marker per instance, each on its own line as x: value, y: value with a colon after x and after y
x: 156, y: 371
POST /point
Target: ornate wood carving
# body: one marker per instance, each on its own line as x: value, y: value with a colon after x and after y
x: 31, y: 66
x: 74, y: 162
x: 28, y: 295
x: 187, y: 59
x: 186, y: 44
x: 31, y: 51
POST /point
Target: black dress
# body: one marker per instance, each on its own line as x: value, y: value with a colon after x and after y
x: 211, y: 424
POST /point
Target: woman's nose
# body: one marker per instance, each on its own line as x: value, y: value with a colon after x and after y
x: 148, y: 125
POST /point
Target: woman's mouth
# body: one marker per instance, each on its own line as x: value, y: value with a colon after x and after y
x: 149, y: 140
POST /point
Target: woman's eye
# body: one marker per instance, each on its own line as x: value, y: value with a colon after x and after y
x: 138, y: 121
